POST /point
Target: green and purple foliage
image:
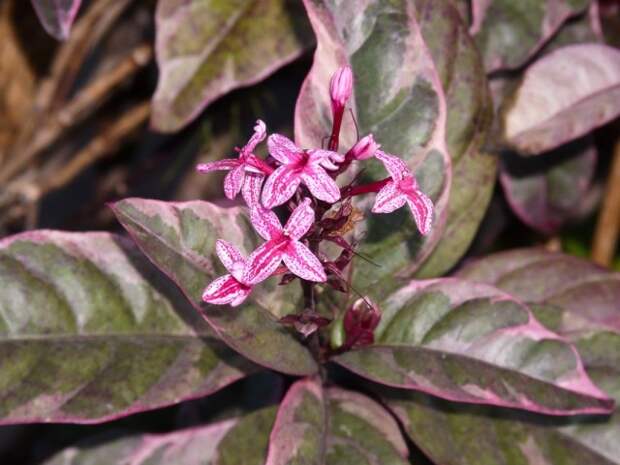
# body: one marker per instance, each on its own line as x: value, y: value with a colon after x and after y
x: 329, y: 270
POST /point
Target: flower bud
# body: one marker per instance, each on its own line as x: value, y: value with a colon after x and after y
x: 360, y: 322
x: 340, y: 87
x: 364, y: 148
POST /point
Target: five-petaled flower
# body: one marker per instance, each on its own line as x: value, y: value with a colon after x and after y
x: 245, y: 172
x: 299, y: 165
x: 283, y: 245
x: 403, y: 188
x: 231, y: 288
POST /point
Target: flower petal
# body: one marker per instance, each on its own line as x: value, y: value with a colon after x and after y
x: 243, y: 294
x: 225, y: 290
x: 283, y: 149
x: 422, y: 210
x: 228, y: 254
x: 389, y: 198
x: 233, y: 182
x: 280, y: 186
x: 321, y: 157
x: 300, y: 220
x: 303, y: 263
x: 265, y: 222
x: 397, y: 167
x: 219, y: 165
x: 322, y: 186
x: 260, y: 132
x: 251, y: 189
x: 263, y: 261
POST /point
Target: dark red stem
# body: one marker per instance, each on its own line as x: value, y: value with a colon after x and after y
x: 334, y: 138
x: 352, y: 191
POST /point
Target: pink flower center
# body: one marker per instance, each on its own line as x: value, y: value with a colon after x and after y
x: 407, y: 184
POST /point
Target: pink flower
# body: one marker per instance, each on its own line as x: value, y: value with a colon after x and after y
x: 340, y: 88
x: 403, y: 188
x: 283, y: 244
x: 243, y: 168
x: 299, y: 165
x: 231, y: 288
x: 364, y: 148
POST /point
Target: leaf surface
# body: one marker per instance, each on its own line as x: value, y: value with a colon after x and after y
x: 179, y: 238
x: 399, y: 97
x: 206, y: 48
x: 473, y: 343
x: 90, y: 331
x: 563, y: 96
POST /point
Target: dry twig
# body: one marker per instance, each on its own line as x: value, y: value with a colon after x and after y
x: 606, y: 234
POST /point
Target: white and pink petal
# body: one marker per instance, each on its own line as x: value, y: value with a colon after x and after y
x: 224, y: 290
x: 228, y: 254
x: 260, y: 132
x: 422, y: 209
x: 300, y: 220
x: 283, y: 149
x: 265, y: 222
x: 389, y: 198
x: 320, y: 184
x: 300, y: 261
x: 280, y: 186
x: 397, y: 167
x: 263, y: 262
x: 234, y: 181
x: 219, y: 165
x: 251, y: 189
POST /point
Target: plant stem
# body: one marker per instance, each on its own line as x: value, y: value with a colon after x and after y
x: 364, y: 188
x: 606, y: 234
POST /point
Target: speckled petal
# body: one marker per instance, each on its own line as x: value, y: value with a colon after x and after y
x: 265, y: 222
x: 388, y: 199
x: 300, y: 220
x: 422, y: 210
x: 228, y: 254
x: 224, y: 290
x: 283, y: 149
x: 251, y: 189
x: 320, y: 184
x: 303, y: 263
x: 219, y: 165
x: 280, y: 186
x: 233, y: 182
x: 397, y: 168
x: 264, y: 261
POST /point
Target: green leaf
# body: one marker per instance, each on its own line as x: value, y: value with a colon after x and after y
x: 180, y: 240
x: 361, y: 432
x: 206, y: 48
x: 398, y: 96
x: 572, y: 296
x: 556, y: 103
x: 469, y: 116
x: 470, y: 342
x: 298, y: 435
x: 90, y: 331
x: 568, y: 294
x: 237, y: 441
x: 509, y: 32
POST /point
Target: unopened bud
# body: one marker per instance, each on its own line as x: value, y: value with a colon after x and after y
x: 340, y: 87
x: 364, y: 148
x: 360, y: 322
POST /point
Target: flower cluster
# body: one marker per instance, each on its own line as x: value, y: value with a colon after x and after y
x: 304, y: 180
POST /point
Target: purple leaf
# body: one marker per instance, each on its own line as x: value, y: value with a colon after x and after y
x: 206, y: 49
x: 473, y: 343
x: 236, y: 441
x: 180, y: 238
x: 546, y: 192
x: 57, y: 16
x: 568, y: 294
x: 90, y: 331
x: 298, y: 435
x: 508, y: 33
x: 399, y: 98
x: 571, y: 296
x: 563, y: 96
